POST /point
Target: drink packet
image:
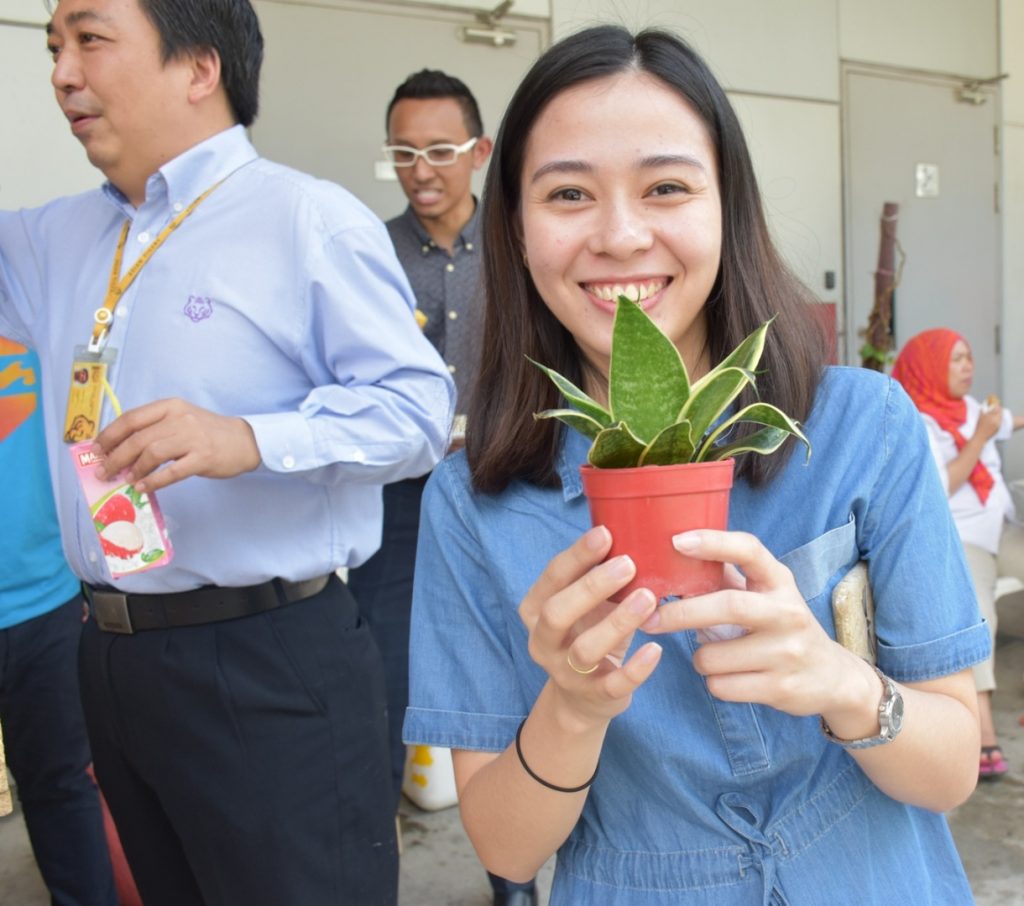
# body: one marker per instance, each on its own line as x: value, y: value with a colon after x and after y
x: 130, y: 525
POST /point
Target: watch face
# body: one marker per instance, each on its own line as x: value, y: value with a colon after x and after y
x: 895, y: 714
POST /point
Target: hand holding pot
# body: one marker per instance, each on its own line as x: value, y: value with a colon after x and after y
x: 574, y: 627
x: 785, y: 659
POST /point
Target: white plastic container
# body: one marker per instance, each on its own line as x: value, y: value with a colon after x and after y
x: 429, y: 780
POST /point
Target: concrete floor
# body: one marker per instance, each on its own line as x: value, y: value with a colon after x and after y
x: 439, y: 867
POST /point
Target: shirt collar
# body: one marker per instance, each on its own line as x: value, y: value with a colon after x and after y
x: 181, y: 180
x: 469, y: 235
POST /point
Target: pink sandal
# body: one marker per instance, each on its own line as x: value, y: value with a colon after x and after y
x: 992, y: 765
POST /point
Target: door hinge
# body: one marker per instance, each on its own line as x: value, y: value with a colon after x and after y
x: 999, y: 341
x: 995, y: 141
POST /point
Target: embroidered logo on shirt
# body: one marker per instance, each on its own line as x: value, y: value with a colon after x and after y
x: 198, y: 308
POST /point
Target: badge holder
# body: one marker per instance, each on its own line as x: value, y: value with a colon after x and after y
x: 89, y: 373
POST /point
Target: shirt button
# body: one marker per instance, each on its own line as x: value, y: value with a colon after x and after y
x: 288, y: 462
x: 358, y: 455
x: 143, y: 237
x: 92, y: 556
x: 178, y: 206
x: 452, y: 315
x: 122, y: 311
x: 451, y: 369
x: 449, y: 267
x: 425, y: 249
x: 469, y: 246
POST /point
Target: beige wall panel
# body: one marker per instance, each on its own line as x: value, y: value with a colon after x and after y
x: 30, y: 11
x: 795, y: 148
x: 786, y: 47
x: 1013, y: 291
x: 951, y: 36
x: 1012, y: 31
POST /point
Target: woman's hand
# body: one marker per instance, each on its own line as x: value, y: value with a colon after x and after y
x: 989, y: 422
x: 581, y: 638
x: 785, y: 658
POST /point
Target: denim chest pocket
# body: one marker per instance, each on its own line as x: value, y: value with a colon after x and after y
x: 817, y: 567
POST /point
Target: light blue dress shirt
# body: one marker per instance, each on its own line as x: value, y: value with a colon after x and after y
x: 279, y: 300
x: 701, y: 801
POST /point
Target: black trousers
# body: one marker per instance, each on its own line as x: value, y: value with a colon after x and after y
x: 245, y: 762
x: 48, y: 753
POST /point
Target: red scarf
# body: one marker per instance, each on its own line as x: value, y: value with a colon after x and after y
x: 922, y: 367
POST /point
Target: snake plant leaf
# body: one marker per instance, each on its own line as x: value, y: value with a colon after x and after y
x: 745, y: 356
x: 587, y: 426
x: 647, y: 380
x: 761, y: 414
x: 673, y: 445
x: 764, y: 441
x: 576, y: 397
x: 709, y: 399
x: 615, y: 448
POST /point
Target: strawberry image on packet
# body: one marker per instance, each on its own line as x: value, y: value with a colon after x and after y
x: 130, y: 525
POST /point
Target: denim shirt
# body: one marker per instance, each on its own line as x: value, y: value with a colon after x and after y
x: 698, y: 800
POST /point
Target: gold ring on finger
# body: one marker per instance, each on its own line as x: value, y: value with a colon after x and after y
x: 580, y: 670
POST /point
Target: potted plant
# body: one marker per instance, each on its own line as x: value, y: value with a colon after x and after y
x: 660, y: 461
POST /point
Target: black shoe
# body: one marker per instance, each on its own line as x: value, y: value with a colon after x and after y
x: 516, y: 898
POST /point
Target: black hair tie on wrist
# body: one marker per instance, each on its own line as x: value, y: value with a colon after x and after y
x: 541, y: 780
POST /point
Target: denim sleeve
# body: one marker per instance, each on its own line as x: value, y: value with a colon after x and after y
x: 926, y: 612
x: 464, y: 689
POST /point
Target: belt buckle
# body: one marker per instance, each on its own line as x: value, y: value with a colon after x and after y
x: 110, y: 610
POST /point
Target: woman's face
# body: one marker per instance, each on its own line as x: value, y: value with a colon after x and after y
x: 961, y: 370
x: 620, y: 196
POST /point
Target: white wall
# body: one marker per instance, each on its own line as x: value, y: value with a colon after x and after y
x: 39, y: 157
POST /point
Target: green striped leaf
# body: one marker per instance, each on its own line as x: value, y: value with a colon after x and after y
x: 647, y: 381
x: 707, y: 402
x: 582, y: 423
x: 576, y: 397
x: 761, y: 414
x: 673, y: 445
x: 615, y: 448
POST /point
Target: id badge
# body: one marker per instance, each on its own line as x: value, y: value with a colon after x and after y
x: 85, y: 393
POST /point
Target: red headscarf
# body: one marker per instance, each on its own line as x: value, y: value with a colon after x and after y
x: 922, y: 367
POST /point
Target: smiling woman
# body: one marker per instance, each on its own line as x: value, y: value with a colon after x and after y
x: 759, y: 767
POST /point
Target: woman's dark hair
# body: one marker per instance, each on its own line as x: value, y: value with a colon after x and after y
x: 504, y: 442
x: 229, y: 27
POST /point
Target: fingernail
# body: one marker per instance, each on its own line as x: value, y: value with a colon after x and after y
x: 640, y: 601
x: 652, y: 623
x: 596, y: 538
x: 687, y: 542
x: 620, y: 567
x: 650, y: 652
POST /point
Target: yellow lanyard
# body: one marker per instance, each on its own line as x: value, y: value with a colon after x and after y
x: 117, y: 287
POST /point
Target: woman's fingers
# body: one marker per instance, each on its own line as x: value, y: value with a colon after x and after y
x: 565, y: 568
x: 602, y: 642
x: 761, y: 569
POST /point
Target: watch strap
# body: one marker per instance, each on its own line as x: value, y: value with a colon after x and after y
x: 887, y: 732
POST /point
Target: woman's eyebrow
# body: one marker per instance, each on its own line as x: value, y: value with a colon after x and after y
x: 562, y: 166
x: 645, y: 163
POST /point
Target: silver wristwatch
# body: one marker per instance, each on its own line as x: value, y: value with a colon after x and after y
x: 890, y: 719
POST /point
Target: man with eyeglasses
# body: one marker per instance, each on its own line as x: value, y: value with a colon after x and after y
x: 435, y: 140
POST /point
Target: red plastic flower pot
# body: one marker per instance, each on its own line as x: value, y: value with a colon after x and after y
x: 645, y: 507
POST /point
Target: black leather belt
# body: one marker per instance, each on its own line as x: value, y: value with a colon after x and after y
x: 116, y: 611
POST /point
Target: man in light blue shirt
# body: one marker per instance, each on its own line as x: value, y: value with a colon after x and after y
x: 272, y: 377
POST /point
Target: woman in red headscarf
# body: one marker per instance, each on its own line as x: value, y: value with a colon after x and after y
x: 936, y: 369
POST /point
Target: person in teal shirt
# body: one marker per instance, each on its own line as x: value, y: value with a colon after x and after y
x: 40, y: 623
